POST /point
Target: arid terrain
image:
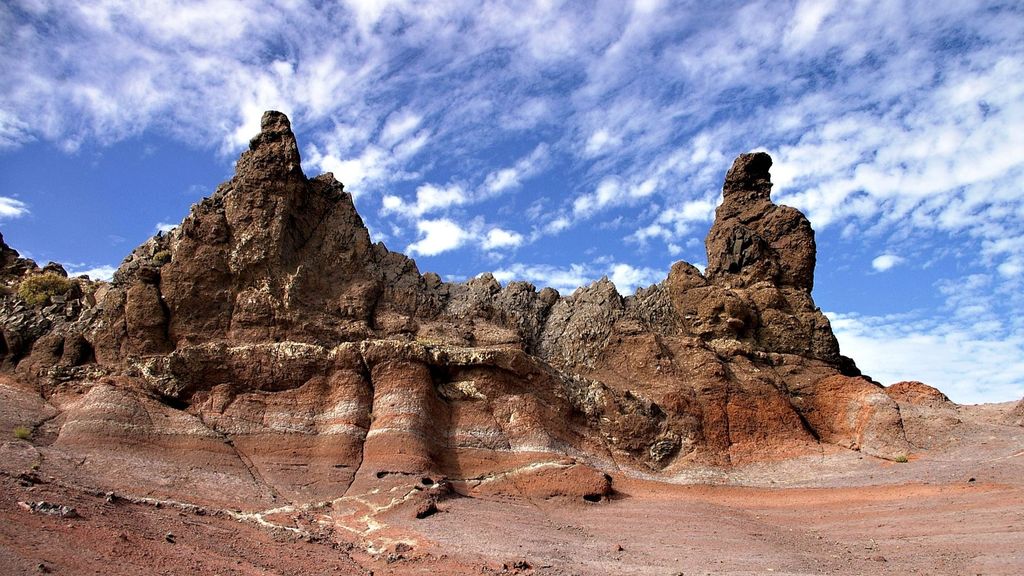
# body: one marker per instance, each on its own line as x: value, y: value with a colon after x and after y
x: 954, y: 508
x: 263, y: 390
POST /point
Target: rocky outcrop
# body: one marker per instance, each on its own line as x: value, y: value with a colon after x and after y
x: 267, y: 339
x: 1016, y: 415
x: 753, y: 239
x: 44, y: 329
x: 918, y: 393
x: 12, y: 266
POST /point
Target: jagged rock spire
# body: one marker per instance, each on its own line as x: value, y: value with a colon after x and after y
x: 753, y: 239
x: 748, y: 179
x: 273, y: 153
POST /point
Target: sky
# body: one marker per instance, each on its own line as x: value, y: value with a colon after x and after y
x: 559, y: 142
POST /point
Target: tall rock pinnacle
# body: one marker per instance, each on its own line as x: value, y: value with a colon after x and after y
x: 753, y: 239
x: 273, y: 153
x: 748, y: 179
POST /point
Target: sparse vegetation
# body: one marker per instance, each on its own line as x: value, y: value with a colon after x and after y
x: 901, y: 459
x: 38, y: 290
x: 162, y: 257
x: 22, y: 432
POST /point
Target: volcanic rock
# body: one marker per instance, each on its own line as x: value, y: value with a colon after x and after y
x: 1016, y: 416
x: 928, y: 415
x: 269, y: 348
x: 913, y: 392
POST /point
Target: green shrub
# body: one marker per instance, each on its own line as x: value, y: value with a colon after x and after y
x: 37, y: 290
x: 901, y: 459
x: 22, y: 432
x: 162, y: 257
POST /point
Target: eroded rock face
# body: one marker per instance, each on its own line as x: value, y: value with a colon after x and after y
x: 914, y: 392
x: 1016, y: 416
x: 268, y: 338
x: 43, y: 330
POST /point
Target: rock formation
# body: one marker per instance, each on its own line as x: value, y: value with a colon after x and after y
x: 918, y: 393
x: 1016, y: 416
x: 269, y: 347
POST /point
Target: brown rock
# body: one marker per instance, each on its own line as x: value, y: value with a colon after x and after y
x: 753, y: 239
x: 268, y: 344
x: 856, y: 413
x: 914, y: 392
x: 1016, y: 416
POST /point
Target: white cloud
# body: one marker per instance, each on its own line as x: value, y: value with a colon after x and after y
x: 807, y: 21
x: 600, y: 142
x: 370, y: 168
x: 642, y: 235
x: 498, y: 238
x: 164, y: 227
x: 557, y: 225
x: 886, y: 261
x: 433, y: 198
x: 1012, y: 268
x: 505, y: 179
x: 429, y: 198
x: 673, y: 224
x: 398, y: 126
x: 566, y: 279
x: 627, y: 278
x: 105, y: 272
x: 952, y: 357
x: 12, y: 208
x: 608, y: 192
x: 438, y: 236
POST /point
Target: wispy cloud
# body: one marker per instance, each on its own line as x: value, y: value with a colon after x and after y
x: 885, y: 262
x: 566, y: 279
x: 429, y: 198
x: 438, y: 236
x: 164, y: 227
x: 499, y: 238
x: 974, y: 350
x: 12, y: 208
x: 104, y: 272
x: 505, y: 179
x: 960, y: 359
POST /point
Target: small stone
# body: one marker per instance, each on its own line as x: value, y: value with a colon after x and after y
x: 169, y: 537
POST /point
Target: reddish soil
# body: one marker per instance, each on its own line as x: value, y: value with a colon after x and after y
x: 957, y: 507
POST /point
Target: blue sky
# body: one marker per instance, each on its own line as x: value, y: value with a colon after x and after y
x: 559, y: 142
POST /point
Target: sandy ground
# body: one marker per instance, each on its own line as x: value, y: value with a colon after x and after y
x: 957, y: 507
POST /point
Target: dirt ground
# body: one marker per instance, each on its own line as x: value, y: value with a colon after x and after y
x: 957, y: 507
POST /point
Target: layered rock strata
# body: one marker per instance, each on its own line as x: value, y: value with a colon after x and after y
x: 267, y: 342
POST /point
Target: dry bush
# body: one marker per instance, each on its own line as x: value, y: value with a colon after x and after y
x: 38, y: 290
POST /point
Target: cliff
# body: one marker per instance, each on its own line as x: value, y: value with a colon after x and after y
x: 267, y: 347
